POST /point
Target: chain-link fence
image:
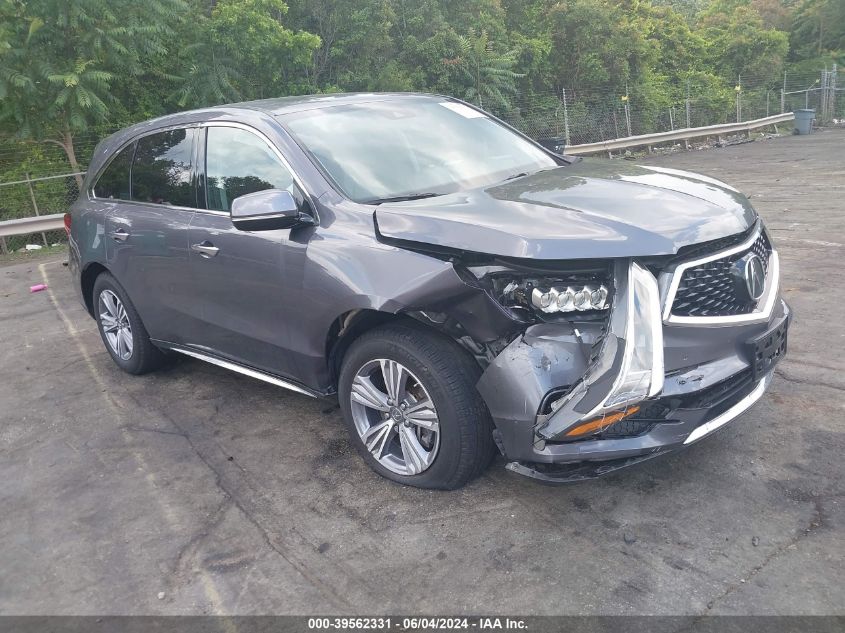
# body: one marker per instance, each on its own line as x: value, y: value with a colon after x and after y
x: 590, y: 115
x: 32, y: 197
x: 36, y: 178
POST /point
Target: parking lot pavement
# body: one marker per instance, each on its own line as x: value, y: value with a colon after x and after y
x: 194, y: 490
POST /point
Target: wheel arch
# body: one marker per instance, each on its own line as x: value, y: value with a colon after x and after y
x: 352, y: 324
x: 346, y: 328
x: 87, y: 281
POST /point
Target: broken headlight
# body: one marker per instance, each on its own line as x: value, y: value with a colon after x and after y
x: 554, y: 294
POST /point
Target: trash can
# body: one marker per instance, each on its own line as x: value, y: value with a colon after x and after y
x: 804, y: 121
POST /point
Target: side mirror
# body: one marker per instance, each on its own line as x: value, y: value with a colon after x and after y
x: 267, y: 210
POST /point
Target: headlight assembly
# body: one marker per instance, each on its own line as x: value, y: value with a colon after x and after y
x: 569, y: 299
x: 552, y: 294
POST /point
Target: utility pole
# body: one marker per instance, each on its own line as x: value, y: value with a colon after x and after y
x: 739, y: 99
x: 687, y: 104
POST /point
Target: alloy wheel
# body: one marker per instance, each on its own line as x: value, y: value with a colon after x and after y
x: 395, y: 417
x: 115, y: 324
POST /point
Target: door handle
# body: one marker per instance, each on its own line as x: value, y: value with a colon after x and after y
x: 205, y: 249
x: 119, y: 235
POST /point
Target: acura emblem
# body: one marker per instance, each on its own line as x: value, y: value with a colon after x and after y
x: 755, y: 276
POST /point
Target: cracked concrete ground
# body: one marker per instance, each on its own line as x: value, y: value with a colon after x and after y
x: 195, y: 490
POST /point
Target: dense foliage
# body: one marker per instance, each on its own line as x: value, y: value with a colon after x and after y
x: 67, y: 66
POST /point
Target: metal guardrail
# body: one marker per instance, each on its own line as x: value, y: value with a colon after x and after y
x: 37, y: 224
x: 24, y: 226
x: 682, y: 134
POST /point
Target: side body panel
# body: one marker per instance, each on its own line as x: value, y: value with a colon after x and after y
x: 240, y: 308
x: 152, y: 264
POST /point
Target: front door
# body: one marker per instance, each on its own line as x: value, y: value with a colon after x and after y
x: 238, y: 277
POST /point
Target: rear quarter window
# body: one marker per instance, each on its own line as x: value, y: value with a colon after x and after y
x: 114, y: 181
x: 161, y: 171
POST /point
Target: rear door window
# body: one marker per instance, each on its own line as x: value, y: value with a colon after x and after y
x: 161, y: 172
x: 238, y: 162
x: 114, y: 181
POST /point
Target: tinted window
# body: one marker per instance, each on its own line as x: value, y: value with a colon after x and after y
x: 161, y: 172
x: 238, y: 162
x: 114, y: 181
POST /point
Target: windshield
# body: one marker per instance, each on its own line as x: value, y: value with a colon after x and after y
x: 404, y: 148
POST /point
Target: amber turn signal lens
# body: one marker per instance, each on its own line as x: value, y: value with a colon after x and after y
x: 603, y: 422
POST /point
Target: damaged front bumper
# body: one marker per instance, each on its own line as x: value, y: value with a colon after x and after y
x: 640, y: 385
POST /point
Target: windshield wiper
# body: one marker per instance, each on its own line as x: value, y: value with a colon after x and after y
x: 410, y: 196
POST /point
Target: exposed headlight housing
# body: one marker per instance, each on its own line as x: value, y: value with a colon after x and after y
x: 570, y: 299
x: 548, y: 295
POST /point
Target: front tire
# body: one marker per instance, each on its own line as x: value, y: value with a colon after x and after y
x: 408, y: 398
x: 121, y: 329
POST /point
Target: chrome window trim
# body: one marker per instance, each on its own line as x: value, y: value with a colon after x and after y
x: 285, y: 163
x: 739, y: 408
x: 764, y: 307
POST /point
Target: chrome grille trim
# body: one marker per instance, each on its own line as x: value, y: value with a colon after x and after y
x: 671, y: 279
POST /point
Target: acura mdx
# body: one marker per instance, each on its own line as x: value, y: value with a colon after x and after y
x: 460, y: 289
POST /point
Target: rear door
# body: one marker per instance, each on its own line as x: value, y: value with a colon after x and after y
x: 147, y: 235
x: 238, y: 277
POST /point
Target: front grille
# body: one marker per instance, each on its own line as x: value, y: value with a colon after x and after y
x: 709, y: 288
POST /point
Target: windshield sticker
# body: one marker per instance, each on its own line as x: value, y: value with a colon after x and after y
x: 464, y: 111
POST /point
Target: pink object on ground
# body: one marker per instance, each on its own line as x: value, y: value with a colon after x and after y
x: 38, y: 287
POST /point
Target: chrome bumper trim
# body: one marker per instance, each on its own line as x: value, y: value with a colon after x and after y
x: 739, y: 408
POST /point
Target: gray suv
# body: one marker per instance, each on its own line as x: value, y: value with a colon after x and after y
x: 459, y: 288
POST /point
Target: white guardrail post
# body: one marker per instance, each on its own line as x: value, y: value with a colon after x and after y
x: 24, y: 226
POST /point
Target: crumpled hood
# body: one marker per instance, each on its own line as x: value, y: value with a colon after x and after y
x: 590, y: 209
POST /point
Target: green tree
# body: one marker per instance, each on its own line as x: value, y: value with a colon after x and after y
x: 356, y: 50
x: 63, y: 58
x: 739, y: 43
x: 596, y: 43
x: 819, y: 30
x: 241, y: 50
x: 485, y: 75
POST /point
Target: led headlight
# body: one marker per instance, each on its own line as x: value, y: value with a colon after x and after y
x: 569, y: 299
x: 551, y: 293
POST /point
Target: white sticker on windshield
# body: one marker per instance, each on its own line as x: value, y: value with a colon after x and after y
x: 464, y: 111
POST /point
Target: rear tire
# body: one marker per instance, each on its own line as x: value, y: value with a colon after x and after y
x: 397, y: 438
x: 121, y: 329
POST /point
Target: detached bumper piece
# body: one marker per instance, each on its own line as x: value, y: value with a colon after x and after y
x: 571, y: 473
x: 688, y: 420
x: 627, y: 369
